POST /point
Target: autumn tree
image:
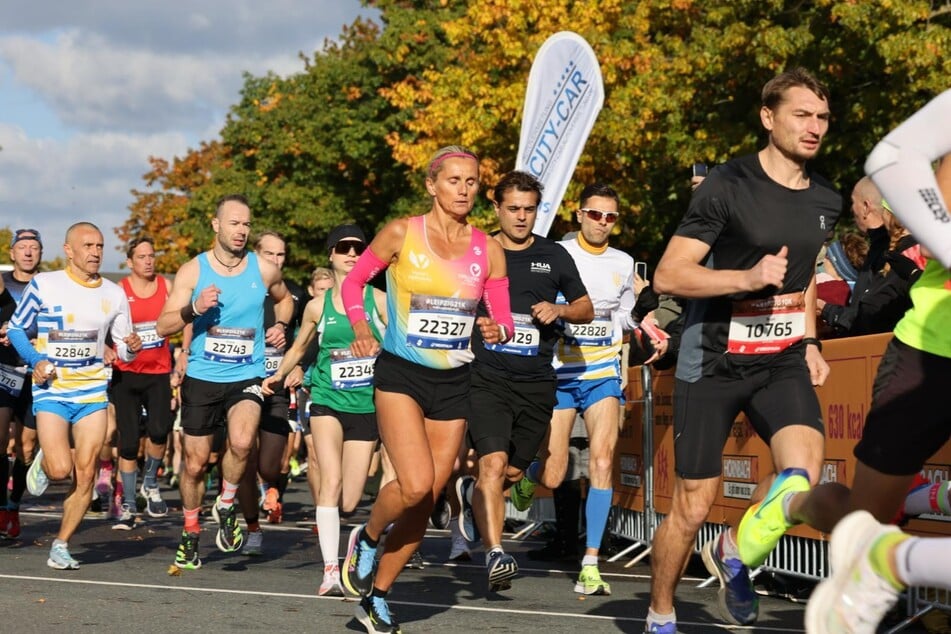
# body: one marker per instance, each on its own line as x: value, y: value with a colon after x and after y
x: 162, y: 212
x: 682, y: 82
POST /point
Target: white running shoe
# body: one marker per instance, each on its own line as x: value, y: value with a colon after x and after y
x: 330, y: 587
x: 855, y: 598
x: 60, y: 559
x: 36, y: 480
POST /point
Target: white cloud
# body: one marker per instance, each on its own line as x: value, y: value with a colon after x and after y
x: 122, y: 81
x: 48, y: 185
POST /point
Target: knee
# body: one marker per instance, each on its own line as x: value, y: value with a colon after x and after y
x: 57, y: 468
x: 601, y: 463
x: 691, y: 505
x: 417, y: 494
x: 492, y: 467
x: 241, y: 447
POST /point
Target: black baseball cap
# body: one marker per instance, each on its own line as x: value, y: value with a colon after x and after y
x: 26, y: 234
x: 345, y: 232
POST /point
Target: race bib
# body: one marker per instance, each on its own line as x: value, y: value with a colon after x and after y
x: 149, y: 335
x: 524, y: 341
x: 598, y: 333
x: 272, y: 360
x: 348, y: 372
x: 768, y: 325
x: 443, y: 323
x: 72, y: 348
x: 12, y: 379
x: 229, y: 345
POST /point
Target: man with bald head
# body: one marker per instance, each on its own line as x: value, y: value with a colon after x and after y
x: 221, y: 293
x: 73, y: 311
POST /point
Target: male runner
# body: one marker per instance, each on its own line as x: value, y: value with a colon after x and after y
x: 268, y: 455
x: 588, y: 368
x: 745, y: 255
x: 72, y: 310
x: 221, y: 293
x: 513, y: 384
x: 16, y: 393
x: 142, y: 383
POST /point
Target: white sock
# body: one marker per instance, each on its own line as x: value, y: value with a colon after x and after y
x: 328, y: 533
x: 655, y: 617
x: 924, y: 561
x: 589, y: 560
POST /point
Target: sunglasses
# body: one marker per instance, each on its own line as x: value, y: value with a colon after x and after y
x: 343, y: 247
x: 597, y: 215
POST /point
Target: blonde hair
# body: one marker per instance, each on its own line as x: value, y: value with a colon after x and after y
x: 450, y: 151
x: 321, y: 273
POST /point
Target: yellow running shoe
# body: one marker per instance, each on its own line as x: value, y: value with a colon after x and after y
x: 590, y: 582
x: 764, y: 523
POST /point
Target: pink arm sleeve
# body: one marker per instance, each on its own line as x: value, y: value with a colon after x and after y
x: 351, y: 291
x: 495, y: 294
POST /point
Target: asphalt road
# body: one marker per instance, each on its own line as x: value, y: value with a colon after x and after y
x: 124, y: 585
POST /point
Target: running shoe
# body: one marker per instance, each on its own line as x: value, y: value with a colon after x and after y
x: 522, y: 493
x: 272, y: 506
x: 360, y: 563
x: 738, y: 602
x: 459, y: 548
x: 415, y: 561
x: 764, y: 523
x: 254, y: 544
x: 186, y: 557
x: 60, y: 558
x: 669, y: 627
x: 230, y: 536
x: 590, y: 582
x: 855, y: 597
x: 442, y: 513
x: 374, y: 614
x: 467, y: 523
x: 36, y: 480
x: 502, y: 568
x: 155, y: 506
x: 330, y: 586
x: 295, y: 469
x: 126, y: 519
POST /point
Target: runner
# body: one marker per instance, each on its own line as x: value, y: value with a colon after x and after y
x: 872, y: 562
x: 221, y: 294
x: 16, y: 393
x: 744, y: 255
x: 588, y: 367
x: 145, y: 382
x: 72, y: 310
x: 342, y: 418
x: 513, y: 384
x: 439, y: 269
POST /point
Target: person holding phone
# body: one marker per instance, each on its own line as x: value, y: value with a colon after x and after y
x: 588, y: 369
x: 744, y: 256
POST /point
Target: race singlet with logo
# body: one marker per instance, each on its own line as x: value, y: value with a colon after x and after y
x: 431, y: 301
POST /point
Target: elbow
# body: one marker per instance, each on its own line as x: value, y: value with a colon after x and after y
x: 663, y: 282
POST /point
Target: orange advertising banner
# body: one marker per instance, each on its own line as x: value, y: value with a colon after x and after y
x: 845, y: 401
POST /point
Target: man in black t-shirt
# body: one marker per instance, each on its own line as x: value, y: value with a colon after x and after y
x: 744, y: 255
x: 513, y: 384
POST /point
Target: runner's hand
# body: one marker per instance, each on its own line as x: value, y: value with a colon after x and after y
x: 769, y: 271
x: 818, y: 368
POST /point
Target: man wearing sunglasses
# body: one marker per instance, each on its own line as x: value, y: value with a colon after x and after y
x: 16, y: 392
x: 588, y: 370
x: 744, y: 254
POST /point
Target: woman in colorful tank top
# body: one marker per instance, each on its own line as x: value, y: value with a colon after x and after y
x: 438, y: 269
x: 342, y: 418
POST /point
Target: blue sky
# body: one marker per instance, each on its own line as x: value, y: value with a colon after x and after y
x: 89, y: 89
